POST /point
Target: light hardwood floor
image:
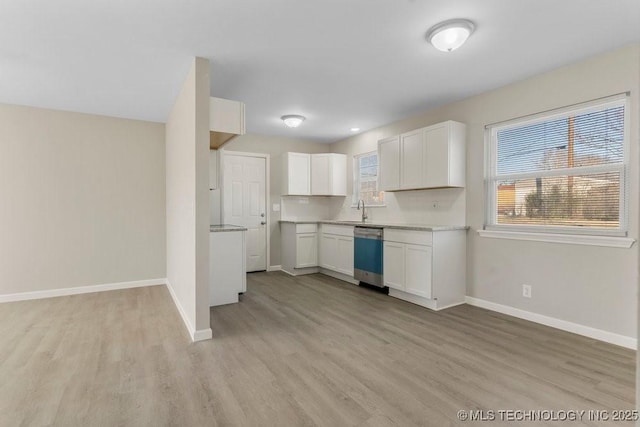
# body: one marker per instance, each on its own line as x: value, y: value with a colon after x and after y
x: 295, y: 352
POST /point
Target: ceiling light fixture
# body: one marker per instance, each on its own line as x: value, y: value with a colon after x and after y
x: 449, y: 35
x: 354, y: 129
x: 293, y: 120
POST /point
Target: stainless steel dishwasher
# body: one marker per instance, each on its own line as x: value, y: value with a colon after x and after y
x: 367, y: 255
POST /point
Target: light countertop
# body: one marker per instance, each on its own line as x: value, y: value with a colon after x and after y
x: 384, y: 224
x: 225, y: 227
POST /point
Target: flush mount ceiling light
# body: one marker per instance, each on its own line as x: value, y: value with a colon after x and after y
x: 292, y: 120
x: 354, y: 129
x: 449, y: 35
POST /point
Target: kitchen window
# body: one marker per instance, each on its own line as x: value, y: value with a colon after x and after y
x: 365, y: 180
x: 560, y: 172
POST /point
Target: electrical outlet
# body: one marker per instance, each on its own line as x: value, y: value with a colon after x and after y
x: 435, y: 204
x: 526, y: 291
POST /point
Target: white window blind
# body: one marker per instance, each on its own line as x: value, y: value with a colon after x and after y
x: 562, y: 171
x: 365, y: 179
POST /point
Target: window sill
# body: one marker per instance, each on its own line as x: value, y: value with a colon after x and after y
x: 571, y: 239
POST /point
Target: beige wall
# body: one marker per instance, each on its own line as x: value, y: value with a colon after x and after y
x: 82, y: 200
x: 591, y: 286
x: 187, y: 145
x: 275, y: 147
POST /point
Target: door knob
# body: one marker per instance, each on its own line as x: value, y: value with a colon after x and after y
x: 262, y: 223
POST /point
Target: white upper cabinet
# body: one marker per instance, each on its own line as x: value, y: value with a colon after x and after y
x: 226, y: 120
x: 322, y: 174
x: 431, y: 157
x: 411, y: 159
x: 328, y: 174
x: 389, y: 163
x: 444, y: 155
x: 297, y: 174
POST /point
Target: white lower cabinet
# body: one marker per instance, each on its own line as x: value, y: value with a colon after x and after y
x: 393, y: 264
x: 424, y: 267
x: 417, y: 262
x: 407, y: 268
x: 299, y: 248
x: 306, y: 250
x: 227, y: 267
x: 336, y: 248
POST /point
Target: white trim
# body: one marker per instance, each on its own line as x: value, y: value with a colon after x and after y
x: 274, y: 268
x: 195, y: 335
x: 202, y: 335
x: 598, y: 334
x: 339, y: 276
x: 183, y: 313
x: 572, y: 239
x: 50, y: 293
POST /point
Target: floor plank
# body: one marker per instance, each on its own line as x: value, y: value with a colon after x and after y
x: 303, y: 351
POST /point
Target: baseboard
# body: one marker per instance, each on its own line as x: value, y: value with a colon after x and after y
x: 196, y: 335
x: 274, y: 268
x: 339, y: 276
x: 24, y: 296
x: 202, y: 335
x: 598, y: 334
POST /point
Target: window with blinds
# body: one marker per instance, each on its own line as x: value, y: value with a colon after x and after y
x: 562, y: 171
x: 365, y: 180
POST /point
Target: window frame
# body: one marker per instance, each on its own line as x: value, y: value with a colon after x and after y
x: 492, y: 177
x: 355, y: 197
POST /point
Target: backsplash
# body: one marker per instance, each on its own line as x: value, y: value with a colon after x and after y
x: 303, y: 208
x: 433, y: 207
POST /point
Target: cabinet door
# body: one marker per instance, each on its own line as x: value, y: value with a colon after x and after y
x: 321, y: 174
x: 226, y: 116
x: 328, y: 251
x: 338, y: 174
x: 418, y: 262
x: 411, y: 159
x: 344, y: 253
x: 306, y: 250
x: 298, y: 174
x: 436, y: 156
x: 393, y: 265
x: 389, y: 163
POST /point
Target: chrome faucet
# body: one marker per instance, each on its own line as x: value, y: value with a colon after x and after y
x: 364, y: 214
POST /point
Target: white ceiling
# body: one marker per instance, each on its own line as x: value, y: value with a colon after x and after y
x: 340, y: 63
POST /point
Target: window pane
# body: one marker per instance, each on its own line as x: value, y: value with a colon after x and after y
x: 366, y: 180
x: 584, y: 200
x: 594, y: 138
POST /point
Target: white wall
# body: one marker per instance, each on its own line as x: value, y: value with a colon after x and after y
x: 82, y: 200
x: 275, y: 147
x: 590, y: 286
x: 187, y: 210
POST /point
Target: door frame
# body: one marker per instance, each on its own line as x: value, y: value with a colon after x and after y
x: 222, y: 152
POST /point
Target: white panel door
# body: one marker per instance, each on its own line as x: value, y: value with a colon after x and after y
x: 411, y: 162
x: 245, y: 204
x: 393, y: 265
x: 436, y: 157
x: 418, y: 262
